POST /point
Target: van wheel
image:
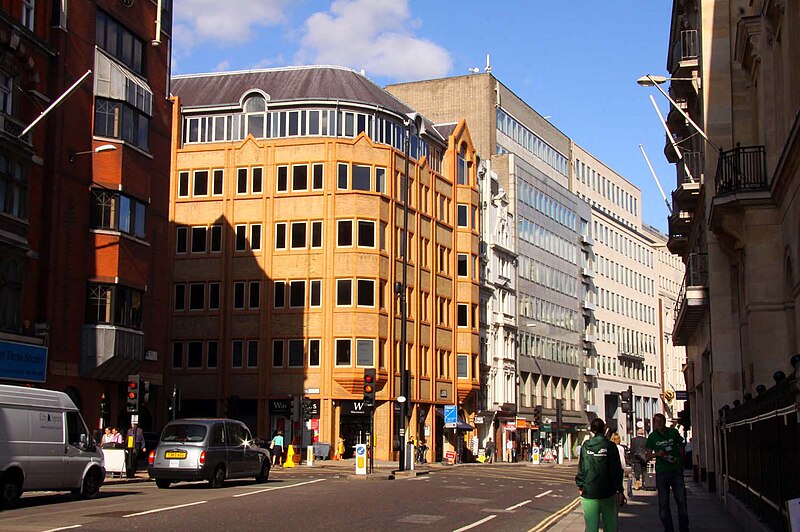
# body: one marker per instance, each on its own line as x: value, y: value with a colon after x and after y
x: 91, y: 485
x: 217, y: 478
x: 162, y: 483
x: 263, y: 475
x: 10, y: 490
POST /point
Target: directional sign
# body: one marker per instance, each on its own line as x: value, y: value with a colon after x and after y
x: 450, y: 416
x: 361, y: 459
x: 681, y: 395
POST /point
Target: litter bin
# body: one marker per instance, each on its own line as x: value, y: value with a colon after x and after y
x: 322, y: 451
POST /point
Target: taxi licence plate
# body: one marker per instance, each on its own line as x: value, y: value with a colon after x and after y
x: 175, y: 455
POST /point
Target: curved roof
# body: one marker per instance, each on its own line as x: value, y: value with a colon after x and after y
x: 283, y: 84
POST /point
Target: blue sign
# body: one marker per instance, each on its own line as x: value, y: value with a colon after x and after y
x: 23, y: 362
x: 681, y: 395
x: 450, y: 416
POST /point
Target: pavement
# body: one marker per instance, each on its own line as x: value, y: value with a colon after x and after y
x: 641, y: 513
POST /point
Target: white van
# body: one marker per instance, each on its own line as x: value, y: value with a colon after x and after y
x: 45, y: 445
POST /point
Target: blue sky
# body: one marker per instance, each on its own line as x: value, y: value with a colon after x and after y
x: 576, y: 61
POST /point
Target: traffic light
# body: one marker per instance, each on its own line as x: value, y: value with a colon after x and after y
x: 308, y: 408
x: 685, y: 418
x: 175, y: 403
x: 133, y: 394
x: 103, y: 406
x: 145, y: 392
x: 537, y: 416
x: 369, y: 387
x: 627, y: 400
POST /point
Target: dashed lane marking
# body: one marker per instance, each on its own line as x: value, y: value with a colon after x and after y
x: 63, y: 528
x: 518, y: 505
x: 279, y: 488
x: 165, y: 509
x: 542, y: 494
x: 475, y: 524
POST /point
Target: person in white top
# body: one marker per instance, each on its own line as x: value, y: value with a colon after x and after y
x: 618, y: 442
x: 107, y: 437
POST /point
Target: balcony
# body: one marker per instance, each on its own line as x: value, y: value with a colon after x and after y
x: 742, y: 169
x: 587, y: 272
x: 587, y: 240
x: 685, y: 54
x: 630, y: 354
x: 692, y: 303
x: 10, y: 128
x: 690, y: 170
x: 589, y: 338
x: 588, y: 306
x: 680, y: 224
x: 110, y: 352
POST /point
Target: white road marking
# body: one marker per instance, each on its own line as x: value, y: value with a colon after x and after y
x: 165, y: 509
x: 279, y: 488
x: 63, y: 528
x: 543, y: 494
x: 476, y: 523
x: 518, y: 505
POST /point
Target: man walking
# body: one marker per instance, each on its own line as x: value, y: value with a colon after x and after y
x: 638, y: 454
x: 599, y: 480
x: 667, y: 446
x: 489, y: 451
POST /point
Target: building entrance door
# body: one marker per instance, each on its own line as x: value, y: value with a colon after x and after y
x: 353, y: 425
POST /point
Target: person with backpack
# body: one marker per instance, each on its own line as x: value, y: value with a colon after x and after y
x: 599, y: 480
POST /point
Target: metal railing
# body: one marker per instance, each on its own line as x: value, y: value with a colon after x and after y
x: 690, y: 45
x: 742, y: 169
x: 696, y: 275
x: 760, y: 439
x: 692, y: 160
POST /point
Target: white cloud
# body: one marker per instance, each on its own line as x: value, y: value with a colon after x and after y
x: 373, y: 35
x: 226, y: 23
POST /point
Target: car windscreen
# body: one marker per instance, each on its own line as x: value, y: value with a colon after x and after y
x: 183, y: 432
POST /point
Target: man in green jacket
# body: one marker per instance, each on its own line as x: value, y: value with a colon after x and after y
x: 599, y: 480
x: 666, y: 445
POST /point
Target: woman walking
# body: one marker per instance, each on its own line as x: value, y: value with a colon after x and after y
x: 599, y: 480
x: 277, y: 449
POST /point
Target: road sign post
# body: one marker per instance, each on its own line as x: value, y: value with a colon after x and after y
x: 361, y: 459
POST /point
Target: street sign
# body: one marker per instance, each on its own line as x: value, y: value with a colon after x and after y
x: 361, y: 459
x: 548, y: 456
x: 536, y: 457
x: 450, y: 415
x: 681, y: 395
x: 479, y: 420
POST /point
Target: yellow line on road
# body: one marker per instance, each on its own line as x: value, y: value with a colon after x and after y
x: 550, y: 520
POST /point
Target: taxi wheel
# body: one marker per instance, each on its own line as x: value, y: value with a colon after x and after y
x: 162, y: 483
x: 91, y: 485
x: 217, y: 478
x: 263, y: 476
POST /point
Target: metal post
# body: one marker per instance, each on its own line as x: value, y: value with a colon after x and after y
x: 403, y: 303
x: 371, y: 437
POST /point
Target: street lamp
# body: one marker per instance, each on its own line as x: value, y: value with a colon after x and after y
x: 99, y: 149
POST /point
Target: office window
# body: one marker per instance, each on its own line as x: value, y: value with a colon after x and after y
x: 241, y: 237
x: 344, y: 233
x: 362, y: 177
x: 194, y: 358
x: 462, y: 363
x: 252, y: 353
x: 279, y: 300
x: 197, y: 296
x: 277, y: 353
x: 237, y: 353
x: 463, y: 265
x: 463, y: 315
x: 238, y: 295
x: 218, y: 179
x: 181, y: 234
x: 255, y: 237
x: 212, y: 354
x: 463, y: 215
x: 344, y: 292
x: 315, y: 295
x: 28, y: 13
x: 297, y: 294
x: 316, y: 234
x: 280, y: 235
x: 215, y: 245
x: 254, y: 297
x: 366, y: 234
x: 198, y: 239
x: 298, y: 235
x: 201, y: 183
x: 296, y: 354
x: 256, y: 180
x: 313, y: 352
x: 300, y: 177
x: 282, y: 179
x: 342, y: 176
x: 177, y: 355
x: 365, y: 352
x: 180, y: 297
x: 317, y: 171
x: 115, y: 39
x: 183, y: 184
x: 213, y: 296
x: 343, y: 354
x: 380, y: 180
x: 241, y: 181
x: 366, y: 292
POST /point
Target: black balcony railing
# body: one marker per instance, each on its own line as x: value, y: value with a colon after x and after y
x: 693, y: 161
x: 742, y: 169
x: 689, y: 45
x: 696, y: 275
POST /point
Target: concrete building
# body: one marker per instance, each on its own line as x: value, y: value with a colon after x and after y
x: 735, y: 220
x: 84, y: 199
x: 287, y: 204
x: 551, y: 317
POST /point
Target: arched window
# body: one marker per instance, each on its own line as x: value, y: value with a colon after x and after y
x: 255, y: 107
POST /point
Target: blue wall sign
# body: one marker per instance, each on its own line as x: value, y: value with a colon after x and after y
x: 23, y: 362
x: 450, y: 416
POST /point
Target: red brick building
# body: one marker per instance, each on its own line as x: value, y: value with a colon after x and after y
x: 84, y: 197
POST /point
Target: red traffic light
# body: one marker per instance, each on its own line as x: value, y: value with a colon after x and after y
x: 368, y: 378
x: 133, y: 385
x: 131, y: 395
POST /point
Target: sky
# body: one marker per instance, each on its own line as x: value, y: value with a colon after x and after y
x: 574, y: 61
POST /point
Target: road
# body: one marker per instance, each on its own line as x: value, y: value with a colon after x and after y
x: 486, y: 497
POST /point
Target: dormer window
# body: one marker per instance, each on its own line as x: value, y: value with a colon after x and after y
x: 255, y: 107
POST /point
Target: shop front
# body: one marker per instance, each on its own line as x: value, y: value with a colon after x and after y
x: 354, y: 425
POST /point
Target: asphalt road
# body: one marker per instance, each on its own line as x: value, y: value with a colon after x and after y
x: 486, y: 497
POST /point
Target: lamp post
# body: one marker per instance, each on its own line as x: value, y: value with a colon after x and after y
x: 100, y: 149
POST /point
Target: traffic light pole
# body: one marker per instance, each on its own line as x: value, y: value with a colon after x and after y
x: 371, y: 438
x: 403, y: 305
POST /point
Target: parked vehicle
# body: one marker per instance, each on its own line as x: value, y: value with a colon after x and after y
x: 207, y: 449
x: 45, y: 445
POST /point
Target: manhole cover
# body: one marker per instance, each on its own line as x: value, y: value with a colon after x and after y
x: 421, y: 519
x: 468, y: 500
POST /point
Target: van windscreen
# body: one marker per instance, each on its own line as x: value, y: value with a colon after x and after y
x: 184, y: 432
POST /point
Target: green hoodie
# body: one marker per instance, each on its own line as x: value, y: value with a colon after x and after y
x: 599, y: 471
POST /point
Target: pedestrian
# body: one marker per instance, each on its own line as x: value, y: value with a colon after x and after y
x: 116, y: 437
x: 667, y: 446
x: 599, y: 480
x: 638, y: 457
x: 277, y: 449
x: 138, y: 449
x: 108, y: 437
x: 489, y: 451
x: 340, y: 449
x: 509, y: 450
x: 617, y: 440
